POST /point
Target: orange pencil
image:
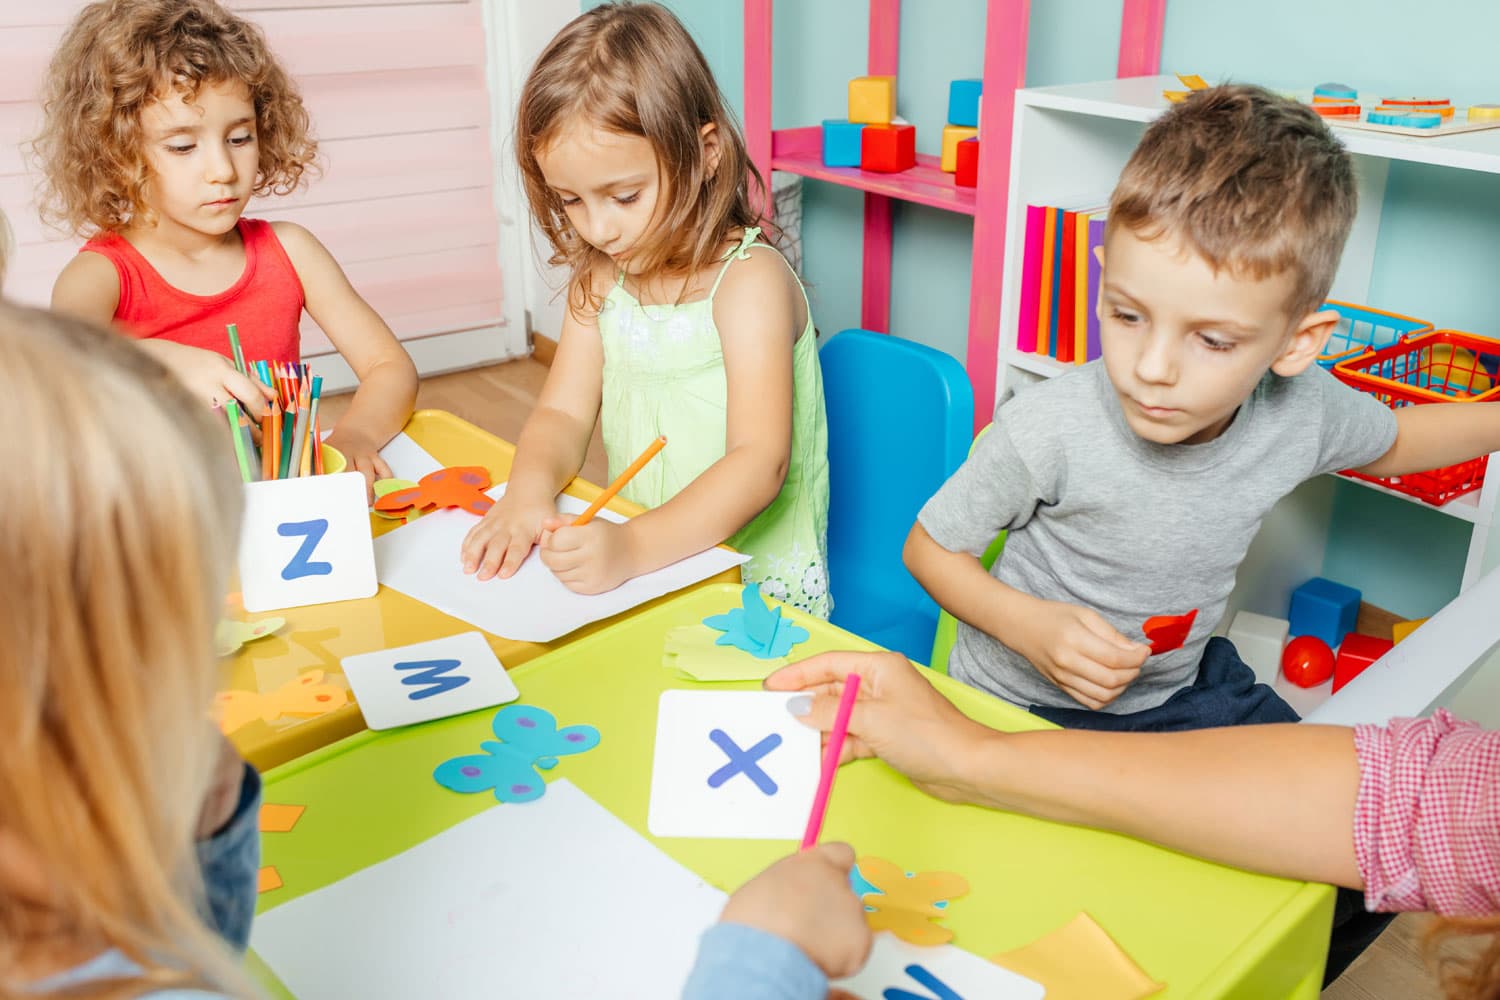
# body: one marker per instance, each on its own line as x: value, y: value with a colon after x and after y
x: 265, y: 446
x: 275, y: 441
x: 620, y: 481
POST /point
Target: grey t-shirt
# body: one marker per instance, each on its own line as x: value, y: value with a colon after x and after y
x: 1103, y: 519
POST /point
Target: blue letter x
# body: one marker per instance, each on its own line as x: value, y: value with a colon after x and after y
x: 744, y: 761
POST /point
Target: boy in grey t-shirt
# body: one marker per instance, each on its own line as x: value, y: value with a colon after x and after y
x: 1132, y: 486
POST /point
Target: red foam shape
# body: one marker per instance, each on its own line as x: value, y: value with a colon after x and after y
x: 888, y: 149
x: 1356, y: 653
x: 461, y: 486
x: 1307, y: 661
x: 1168, y: 632
x: 967, y: 174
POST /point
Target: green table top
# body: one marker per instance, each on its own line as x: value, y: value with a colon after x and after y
x: 1203, y: 929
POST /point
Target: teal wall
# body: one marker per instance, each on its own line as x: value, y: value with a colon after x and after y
x: 1439, y: 245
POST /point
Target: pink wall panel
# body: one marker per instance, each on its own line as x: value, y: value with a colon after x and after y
x: 400, y: 104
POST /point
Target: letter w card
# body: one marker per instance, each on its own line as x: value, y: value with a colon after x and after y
x: 428, y: 680
x: 306, y: 541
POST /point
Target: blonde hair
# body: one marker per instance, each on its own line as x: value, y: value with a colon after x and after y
x: 633, y: 69
x: 121, y: 55
x: 1250, y: 181
x: 121, y: 510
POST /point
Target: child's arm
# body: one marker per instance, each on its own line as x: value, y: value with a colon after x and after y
x: 387, y: 378
x: 757, y: 311
x: 1439, y: 434
x: 1276, y: 799
x: 786, y: 932
x: 549, y: 453
x: 89, y: 289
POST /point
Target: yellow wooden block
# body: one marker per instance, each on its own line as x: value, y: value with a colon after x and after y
x: 952, y: 136
x: 872, y: 100
x: 1401, y: 630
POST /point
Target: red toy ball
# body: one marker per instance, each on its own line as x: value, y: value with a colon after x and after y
x: 1307, y: 661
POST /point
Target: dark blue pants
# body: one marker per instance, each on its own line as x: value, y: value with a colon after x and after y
x: 1225, y: 693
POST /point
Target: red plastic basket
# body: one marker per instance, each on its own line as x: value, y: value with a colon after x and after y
x: 1443, y: 366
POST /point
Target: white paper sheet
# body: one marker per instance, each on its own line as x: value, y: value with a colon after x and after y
x: 896, y: 965
x: 764, y: 791
x: 421, y: 559
x: 556, y: 898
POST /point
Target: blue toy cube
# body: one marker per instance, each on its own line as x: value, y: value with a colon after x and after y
x: 841, y: 142
x: 963, y: 102
x: 1324, y: 609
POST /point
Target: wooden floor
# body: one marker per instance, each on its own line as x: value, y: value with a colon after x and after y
x: 499, y: 397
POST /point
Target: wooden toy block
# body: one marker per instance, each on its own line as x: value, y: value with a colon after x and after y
x: 1401, y: 630
x: 1356, y: 653
x: 888, y: 149
x: 1259, y: 639
x: 966, y: 173
x: 872, y: 100
x: 1325, y: 609
x: 841, y: 141
x: 963, y: 102
x: 952, y: 136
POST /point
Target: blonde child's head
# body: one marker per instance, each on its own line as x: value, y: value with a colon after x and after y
x: 1224, y: 234
x: 1251, y: 182
x: 118, y: 58
x: 120, y: 512
x: 621, y: 93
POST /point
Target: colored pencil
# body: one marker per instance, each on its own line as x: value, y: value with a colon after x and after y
x: 299, y: 440
x: 236, y: 350
x: 266, y: 450
x: 620, y: 481
x: 831, y: 761
x: 232, y: 410
x: 312, y: 438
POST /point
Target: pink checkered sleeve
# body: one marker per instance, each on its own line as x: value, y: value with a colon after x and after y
x: 1427, y: 816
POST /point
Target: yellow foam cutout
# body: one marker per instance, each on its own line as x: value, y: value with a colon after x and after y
x: 1080, y: 961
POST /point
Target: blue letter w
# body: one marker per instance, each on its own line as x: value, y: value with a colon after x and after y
x: 434, y: 674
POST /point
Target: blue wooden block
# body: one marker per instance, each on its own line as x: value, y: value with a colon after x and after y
x: 963, y: 102
x: 1324, y: 609
x: 841, y: 142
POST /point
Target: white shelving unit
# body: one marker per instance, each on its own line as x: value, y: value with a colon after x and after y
x: 1071, y: 142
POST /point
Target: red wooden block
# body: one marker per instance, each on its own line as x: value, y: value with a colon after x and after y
x: 888, y: 149
x: 1356, y: 653
x: 967, y: 175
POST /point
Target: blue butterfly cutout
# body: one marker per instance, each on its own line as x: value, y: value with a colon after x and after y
x: 758, y: 630
x: 531, y: 740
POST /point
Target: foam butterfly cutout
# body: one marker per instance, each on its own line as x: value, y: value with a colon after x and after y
x: 530, y: 740
x: 384, y: 487
x: 907, y: 904
x: 460, y: 486
x: 307, y: 695
x: 1168, y: 632
x: 229, y: 635
x: 757, y: 629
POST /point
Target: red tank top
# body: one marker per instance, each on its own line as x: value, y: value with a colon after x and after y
x: 265, y: 304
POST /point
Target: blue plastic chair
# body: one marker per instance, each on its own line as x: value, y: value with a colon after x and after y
x: 900, y: 421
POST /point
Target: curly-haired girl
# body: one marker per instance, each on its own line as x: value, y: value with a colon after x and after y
x: 163, y: 118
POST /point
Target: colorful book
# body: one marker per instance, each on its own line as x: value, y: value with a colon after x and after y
x: 1031, y: 278
x: 1044, y: 292
x: 1096, y: 240
x: 1067, y: 281
x: 1082, y: 304
x: 1056, y: 279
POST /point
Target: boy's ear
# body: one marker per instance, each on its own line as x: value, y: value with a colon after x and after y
x: 709, y: 136
x: 1307, y: 342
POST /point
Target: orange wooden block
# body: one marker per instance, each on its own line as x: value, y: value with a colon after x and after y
x: 267, y: 879
x: 279, y: 818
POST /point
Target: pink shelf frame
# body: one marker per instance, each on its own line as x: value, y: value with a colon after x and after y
x: 799, y: 151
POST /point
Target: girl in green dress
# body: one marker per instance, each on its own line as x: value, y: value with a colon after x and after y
x: 682, y: 321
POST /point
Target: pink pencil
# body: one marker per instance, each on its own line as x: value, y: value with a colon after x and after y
x: 831, y: 760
